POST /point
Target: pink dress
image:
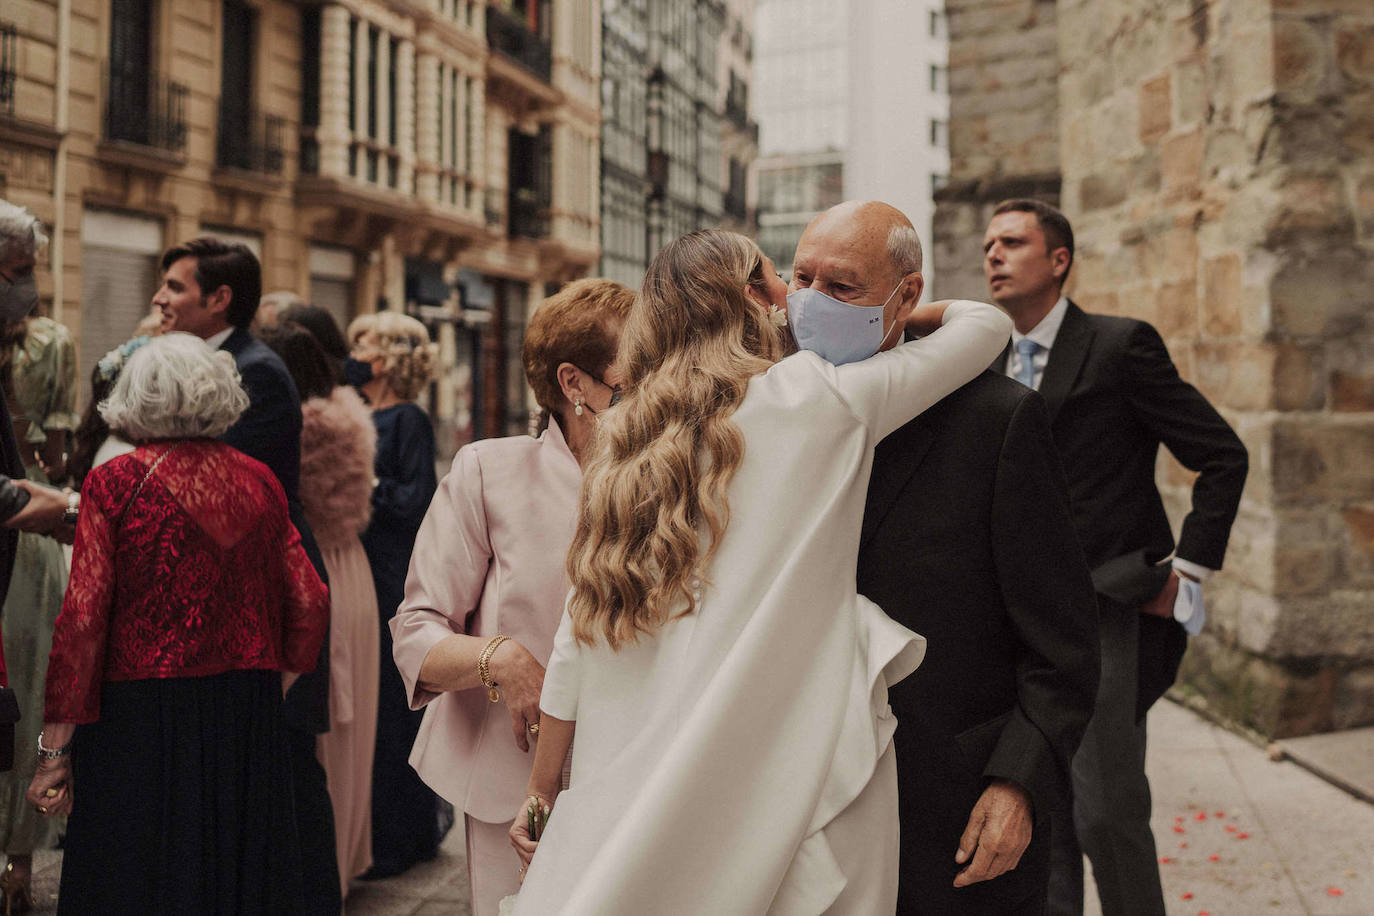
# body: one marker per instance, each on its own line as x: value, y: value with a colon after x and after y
x: 338, y: 441
x: 489, y: 559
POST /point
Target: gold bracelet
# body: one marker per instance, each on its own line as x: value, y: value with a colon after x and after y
x: 484, y: 667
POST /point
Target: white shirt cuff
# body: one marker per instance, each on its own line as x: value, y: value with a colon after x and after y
x: 1200, y: 573
x: 1188, y: 608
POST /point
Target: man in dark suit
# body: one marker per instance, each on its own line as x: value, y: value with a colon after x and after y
x: 1114, y: 396
x: 967, y: 540
x: 211, y: 289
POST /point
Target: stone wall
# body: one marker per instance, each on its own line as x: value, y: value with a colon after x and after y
x: 1217, y: 160
x: 1003, y: 127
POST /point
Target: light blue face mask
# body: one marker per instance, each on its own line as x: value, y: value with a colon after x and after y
x: 836, y: 331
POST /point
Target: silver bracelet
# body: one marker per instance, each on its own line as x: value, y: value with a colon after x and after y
x: 48, y: 753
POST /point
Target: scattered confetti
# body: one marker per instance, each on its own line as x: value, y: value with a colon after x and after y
x: 1204, y: 913
x: 1214, y: 858
x: 1242, y: 836
x: 1186, y: 896
x: 1334, y: 892
x: 1200, y: 816
x: 1218, y: 814
x: 1165, y: 860
x: 1230, y: 828
x: 1179, y: 819
x: 1183, y: 845
x: 1179, y: 828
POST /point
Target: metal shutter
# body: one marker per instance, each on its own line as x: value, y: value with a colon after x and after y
x: 117, y: 290
x: 333, y: 296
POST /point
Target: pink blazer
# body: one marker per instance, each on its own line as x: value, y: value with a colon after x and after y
x: 489, y: 559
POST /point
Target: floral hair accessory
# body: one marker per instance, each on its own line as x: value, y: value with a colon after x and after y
x: 107, y: 370
x: 777, y: 316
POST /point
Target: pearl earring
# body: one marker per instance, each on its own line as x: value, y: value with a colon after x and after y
x: 577, y: 406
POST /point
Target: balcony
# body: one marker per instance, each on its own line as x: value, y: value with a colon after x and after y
x: 251, y: 141
x: 9, y: 60
x: 528, y: 215
x: 145, y: 110
x: 509, y: 37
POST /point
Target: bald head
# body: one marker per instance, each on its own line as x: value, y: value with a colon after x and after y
x: 861, y: 253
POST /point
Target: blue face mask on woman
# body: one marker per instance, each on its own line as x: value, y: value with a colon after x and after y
x: 836, y: 331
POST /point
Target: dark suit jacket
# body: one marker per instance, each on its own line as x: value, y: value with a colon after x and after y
x: 967, y: 540
x: 270, y: 431
x: 1114, y: 396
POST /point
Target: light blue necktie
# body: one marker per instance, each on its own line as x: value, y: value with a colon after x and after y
x: 1026, y: 350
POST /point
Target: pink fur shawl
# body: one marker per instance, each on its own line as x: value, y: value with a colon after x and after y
x: 338, y: 445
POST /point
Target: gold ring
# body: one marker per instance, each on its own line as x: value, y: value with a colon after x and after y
x: 49, y: 793
x: 533, y: 727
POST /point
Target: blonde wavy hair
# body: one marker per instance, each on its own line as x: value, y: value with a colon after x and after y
x: 404, y: 345
x: 661, y: 460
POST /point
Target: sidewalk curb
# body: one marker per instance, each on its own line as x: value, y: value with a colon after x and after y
x: 1276, y: 750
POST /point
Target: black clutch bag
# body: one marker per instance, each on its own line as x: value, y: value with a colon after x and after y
x: 9, y: 714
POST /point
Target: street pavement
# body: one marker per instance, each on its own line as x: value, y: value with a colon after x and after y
x: 1238, y: 835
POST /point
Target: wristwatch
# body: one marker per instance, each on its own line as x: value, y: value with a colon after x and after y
x: 73, y: 507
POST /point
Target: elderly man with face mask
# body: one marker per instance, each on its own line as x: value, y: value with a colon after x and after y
x: 24, y: 506
x: 967, y: 540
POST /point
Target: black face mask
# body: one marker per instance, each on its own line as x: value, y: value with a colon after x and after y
x: 356, y: 372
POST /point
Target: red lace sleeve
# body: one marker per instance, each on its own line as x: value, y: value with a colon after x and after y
x: 307, y: 607
x: 76, y: 664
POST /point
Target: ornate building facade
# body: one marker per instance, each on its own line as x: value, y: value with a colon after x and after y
x: 435, y: 156
x: 663, y: 169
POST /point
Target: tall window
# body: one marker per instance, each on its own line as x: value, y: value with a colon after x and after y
x: 236, y: 128
x: 939, y: 133
x: 131, y: 69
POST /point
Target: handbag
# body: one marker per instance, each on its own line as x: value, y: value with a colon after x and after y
x: 9, y: 715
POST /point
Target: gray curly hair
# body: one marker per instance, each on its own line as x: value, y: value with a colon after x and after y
x: 175, y: 387
x: 20, y: 231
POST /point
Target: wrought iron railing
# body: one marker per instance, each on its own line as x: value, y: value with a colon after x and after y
x: 251, y: 141
x: 528, y: 214
x: 509, y: 36
x: 9, y: 65
x: 145, y: 108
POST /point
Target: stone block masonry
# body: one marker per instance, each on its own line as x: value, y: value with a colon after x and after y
x: 1217, y: 160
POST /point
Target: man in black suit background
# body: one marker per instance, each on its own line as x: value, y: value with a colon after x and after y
x: 211, y: 289
x: 1114, y: 396
x: 967, y: 540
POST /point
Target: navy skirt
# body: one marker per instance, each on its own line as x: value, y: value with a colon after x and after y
x: 182, y: 801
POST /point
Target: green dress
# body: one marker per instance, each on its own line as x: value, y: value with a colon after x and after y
x: 44, y: 373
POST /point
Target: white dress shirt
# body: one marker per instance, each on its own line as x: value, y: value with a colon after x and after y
x: 215, y: 341
x: 1188, y: 608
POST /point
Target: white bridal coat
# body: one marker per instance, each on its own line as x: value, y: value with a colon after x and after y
x: 718, y: 764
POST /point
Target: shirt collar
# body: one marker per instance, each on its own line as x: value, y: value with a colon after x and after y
x: 552, y: 437
x: 1047, y: 330
x: 215, y: 341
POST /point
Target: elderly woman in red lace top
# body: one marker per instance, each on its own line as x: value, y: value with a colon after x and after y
x: 190, y: 595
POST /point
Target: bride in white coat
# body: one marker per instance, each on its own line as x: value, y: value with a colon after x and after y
x: 727, y: 684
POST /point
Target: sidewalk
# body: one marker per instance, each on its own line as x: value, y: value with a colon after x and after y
x: 1239, y: 835
x: 1242, y: 836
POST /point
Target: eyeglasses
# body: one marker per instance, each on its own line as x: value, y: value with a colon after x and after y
x: 616, y: 391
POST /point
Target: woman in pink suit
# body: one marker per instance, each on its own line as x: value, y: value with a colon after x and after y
x: 487, y: 583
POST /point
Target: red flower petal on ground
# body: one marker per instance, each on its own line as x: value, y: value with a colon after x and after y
x: 1242, y: 836
x: 1214, y: 858
x: 1200, y: 816
x: 1186, y: 896
x: 1165, y: 860
x: 1230, y: 828
x: 1204, y: 913
x: 1334, y: 892
x: 1178, y: 828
